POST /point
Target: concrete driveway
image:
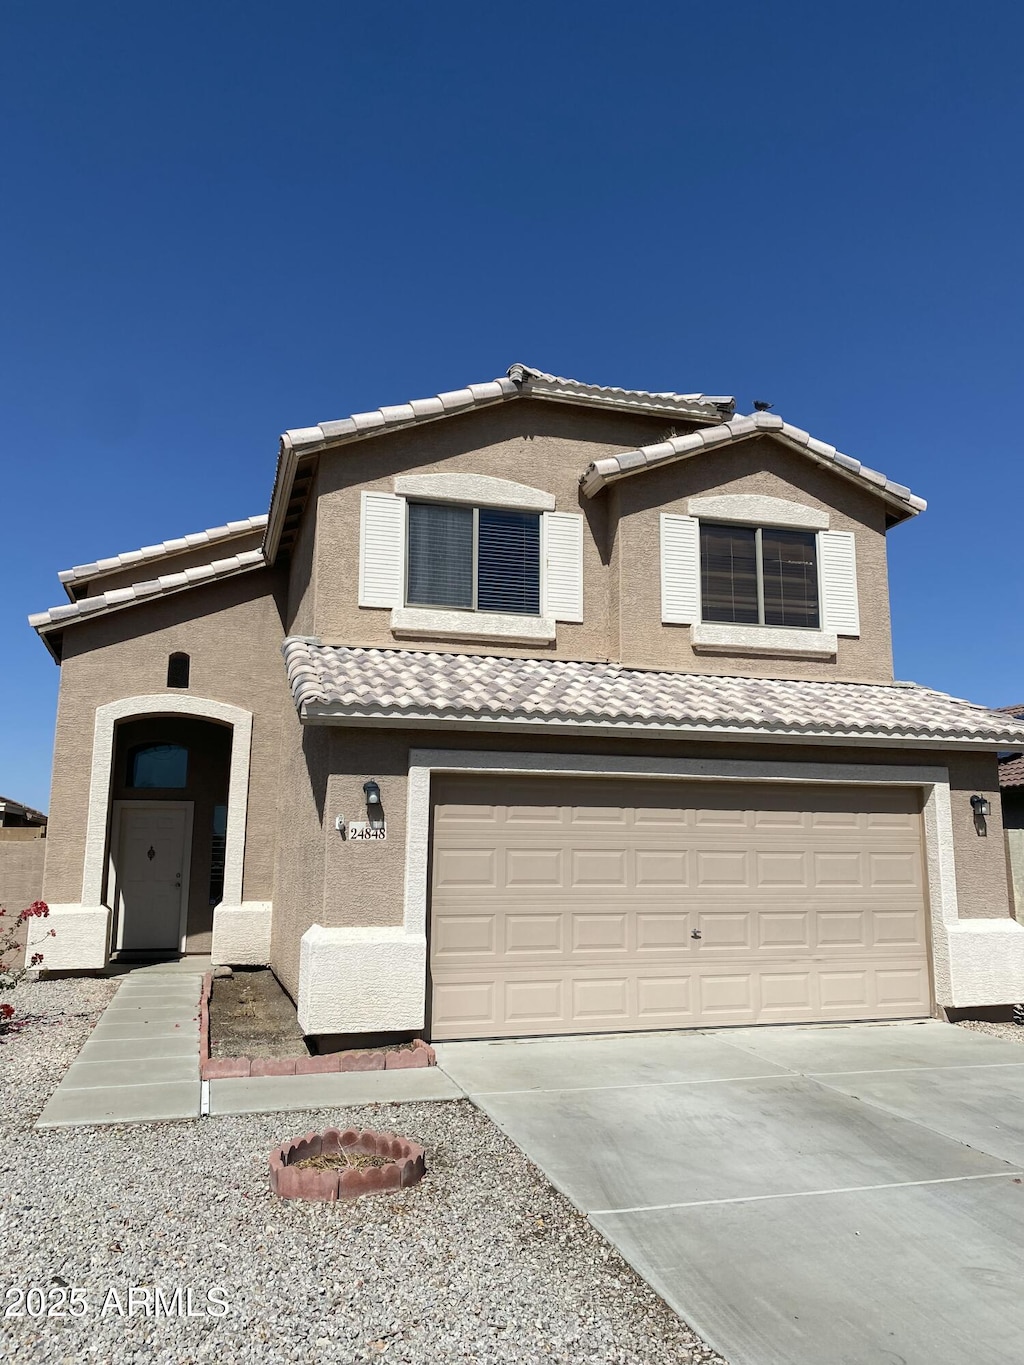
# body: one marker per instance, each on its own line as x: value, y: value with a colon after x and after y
x: 800, y: 1196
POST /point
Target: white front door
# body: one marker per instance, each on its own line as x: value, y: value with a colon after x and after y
x: 151, y: 856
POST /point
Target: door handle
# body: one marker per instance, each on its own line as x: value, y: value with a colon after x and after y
x: 695, y: 933
x: 177, y: 880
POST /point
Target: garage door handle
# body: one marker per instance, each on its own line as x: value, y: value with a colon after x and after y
x: 695, y: 933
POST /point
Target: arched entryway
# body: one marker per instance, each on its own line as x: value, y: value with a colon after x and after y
x: 168, y: 827
x: 110, y: 781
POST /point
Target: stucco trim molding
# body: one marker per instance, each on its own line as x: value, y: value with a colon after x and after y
x: 974, y: 962
x: 759, y: 510
x: 241, y: 934
x: 479, y: 490
x: 726, y: 638
x: 425, y: 623
x: 166, y: 704
x: 81, y: 940
x: 361, y: 980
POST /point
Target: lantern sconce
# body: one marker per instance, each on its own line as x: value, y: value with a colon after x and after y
x: 981, y: 806
x: 374, y: 808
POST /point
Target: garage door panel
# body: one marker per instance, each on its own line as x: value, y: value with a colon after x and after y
x: 466, y: 867
x: 534, y: 1005
x: 661, y: 869
x: 537, y: 935
x: 534, y: 867
x: 780, y: 868
x: 594, y: 869
x: 571, y: 908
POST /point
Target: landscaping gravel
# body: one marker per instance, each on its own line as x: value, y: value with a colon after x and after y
x: 482, y: 1262
x: 1010, y: 1033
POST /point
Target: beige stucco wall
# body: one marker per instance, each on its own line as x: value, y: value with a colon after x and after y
x: 300, y: 617
x: 233, y: 632
x: 542, y: 445
x: 548, y: 447
x: 364, y: 882
x: 764, y: 467
x: 21, y: 879
x: 177, y: 563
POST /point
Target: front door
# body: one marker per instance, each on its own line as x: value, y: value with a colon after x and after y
x: 151, y: 868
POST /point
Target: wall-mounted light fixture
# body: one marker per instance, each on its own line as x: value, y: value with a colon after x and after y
x: 374, y: 808
x: 981, y: 805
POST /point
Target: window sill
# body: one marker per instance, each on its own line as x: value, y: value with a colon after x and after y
x: 725, y: 638
x: 425, y: 623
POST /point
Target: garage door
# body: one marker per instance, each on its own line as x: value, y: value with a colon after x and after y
x: 591, y: 905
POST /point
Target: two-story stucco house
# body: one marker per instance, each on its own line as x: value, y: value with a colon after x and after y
x: 533, y: 707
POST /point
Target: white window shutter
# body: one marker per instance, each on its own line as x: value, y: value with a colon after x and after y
x: 563, y: 565
x: 838, y: 556
x: 381, y: 550
x: 680, y: 569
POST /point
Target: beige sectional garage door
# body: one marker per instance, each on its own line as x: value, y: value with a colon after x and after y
x: 590, y: 905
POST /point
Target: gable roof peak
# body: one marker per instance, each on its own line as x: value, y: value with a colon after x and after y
x: 540, y: 384
x: 611, y: 468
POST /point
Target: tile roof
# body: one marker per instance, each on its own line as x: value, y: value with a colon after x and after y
x: 408, y: 685
x: 1011, y: 770
x: 153, y: 587
x: 521, y: 381
x: 612, y: 467
x: 194, y: 541
x: 538, y: 384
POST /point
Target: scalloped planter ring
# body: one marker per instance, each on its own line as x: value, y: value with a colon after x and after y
x: 344, y: 1164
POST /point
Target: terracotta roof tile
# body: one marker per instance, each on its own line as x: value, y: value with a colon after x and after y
x: 340, y: 681
x: 613, y: 467
x: 193, y: 541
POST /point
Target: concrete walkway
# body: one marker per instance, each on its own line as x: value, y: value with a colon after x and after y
x: 141, y: 1064
x: 141, y: 1061
x: 800, y: 1196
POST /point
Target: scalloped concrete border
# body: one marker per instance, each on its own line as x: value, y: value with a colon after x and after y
x: 406, y: 1165
x: 232, y: 1068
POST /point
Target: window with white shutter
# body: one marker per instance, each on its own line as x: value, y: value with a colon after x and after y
x: 563, y: 565
x: 381, y: 550
x: 484, y: 559
x: 837, y: 553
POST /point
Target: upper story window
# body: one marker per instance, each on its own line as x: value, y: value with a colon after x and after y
x: 759, y: 576
x: 473, y: 558
x: 158, y: 765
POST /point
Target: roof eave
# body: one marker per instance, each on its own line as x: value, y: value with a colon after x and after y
x: 314, y: 713
x: 593, y: 479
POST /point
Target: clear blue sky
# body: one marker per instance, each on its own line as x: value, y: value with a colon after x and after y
x: 227, y: 219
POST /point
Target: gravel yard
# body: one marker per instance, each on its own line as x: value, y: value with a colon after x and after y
x: 482, y: 1262
x: 1010, y: 1033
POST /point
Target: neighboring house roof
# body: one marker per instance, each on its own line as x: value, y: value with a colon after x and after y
x: 129, y: 558
x: 163, y: 586
x: 521, y: 381
x: 1011, y: 766
x: 406, y: 686
x: 8, y: 806
x: 612, y: 467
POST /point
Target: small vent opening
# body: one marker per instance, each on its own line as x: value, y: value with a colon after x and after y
x: 178, y: 670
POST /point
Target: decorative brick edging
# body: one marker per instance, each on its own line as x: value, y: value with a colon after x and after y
x: 376, y: 1059
x: 406, y: 1165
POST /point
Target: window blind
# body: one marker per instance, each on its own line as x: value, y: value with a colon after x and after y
x: 790, y: 568
x: 728, y: 571
x: 508, y: 562
x: 440, y: 555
